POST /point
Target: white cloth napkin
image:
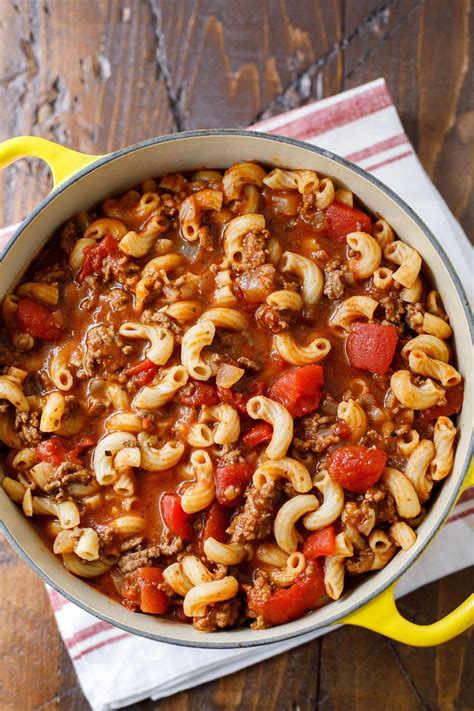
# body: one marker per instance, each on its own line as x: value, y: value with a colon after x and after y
x: 115, y: 668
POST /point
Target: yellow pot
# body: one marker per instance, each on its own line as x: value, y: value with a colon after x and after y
x: 81, y: 181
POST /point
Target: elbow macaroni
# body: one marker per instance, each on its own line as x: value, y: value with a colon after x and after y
x: 296, y: 354
x: 262, y: 408
x: 310, y: 274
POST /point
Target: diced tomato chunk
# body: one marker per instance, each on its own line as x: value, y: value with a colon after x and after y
x: 177, y: 520
x: 38, y: 320
x: 52, y: 450
x: 203, y: 394
x: 312, y: 586
x: 94, y: 256
x: 142, y: 373
x: 231, y: 480
x: 320, y: 543
x: 55, y: 451
x: 371, y: 346
x: 262, y: 432
x: 141, y: 588
x: 343, y: 219
x: 291, y: 603
x: 357, y: 468
x: 454, y: 399
x: 299, y: 389
x: 215, y: 524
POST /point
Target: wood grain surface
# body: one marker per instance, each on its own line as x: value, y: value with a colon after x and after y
x: 102, y: 74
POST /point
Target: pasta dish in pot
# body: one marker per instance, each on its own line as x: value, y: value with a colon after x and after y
x: 225, y: 394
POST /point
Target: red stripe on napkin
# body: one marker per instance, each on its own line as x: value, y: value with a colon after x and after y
x: 389, y: 160
x: 104, y: 643
x: 87, y: 632
x: 379, y: 147
x: 330, y: 117
x: 463, y: 514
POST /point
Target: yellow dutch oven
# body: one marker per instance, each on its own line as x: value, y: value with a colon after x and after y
x: 81, y: 181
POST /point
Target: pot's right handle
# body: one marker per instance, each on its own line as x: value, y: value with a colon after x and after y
x: 381, y: 615
x: 62, y: 161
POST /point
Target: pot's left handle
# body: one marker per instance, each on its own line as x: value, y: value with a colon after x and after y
x: 381, y: 614
x: 62, y: 161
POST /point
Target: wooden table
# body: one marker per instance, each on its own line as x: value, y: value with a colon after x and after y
x: 99, y: 75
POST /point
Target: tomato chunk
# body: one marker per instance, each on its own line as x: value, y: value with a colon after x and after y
x: 177, y: 520
x: 357, y: 468
x: 215, y: 524
x: 258, y: 434
x: 141, y: 588
x: 371, y: 346
x: 299, y: 389
x: 142, y: 373
x: 291, y: 603
x: 96, y: 255
x: 203, y: 394
x: 55, y: 451
x: 38, y: 320
x: 52, y: 450
x: 320, y: 543
x: 231, y: 480
x: 343, y: 219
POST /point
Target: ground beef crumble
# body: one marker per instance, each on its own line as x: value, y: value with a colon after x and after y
x: 27, y: 426
x: 68, y: 473
x: 260, y: 592
x: 104, y: 352
x: 255, y: 520
x: 383, y: 503
x: 414, y: 317
x: 271, y: 319
x: 394, y: 309
x: 315, y: 433
x: 129, y: 562
x: 218, y: 616
x: 334, y: 279
x: 161, y: 319
x: 359, y: 516
x: 254, y: 251
x: 170, y: 544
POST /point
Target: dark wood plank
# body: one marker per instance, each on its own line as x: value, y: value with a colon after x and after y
x: 423, y: 51
x: 81, y: 73
x: 226, y: 61
x: 30, y: 644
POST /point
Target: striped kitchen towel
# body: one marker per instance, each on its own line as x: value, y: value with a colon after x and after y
x: 115, y: 668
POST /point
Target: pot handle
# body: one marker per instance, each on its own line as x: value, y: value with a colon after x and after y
x: 381, y: 615
x: 62, y: 161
